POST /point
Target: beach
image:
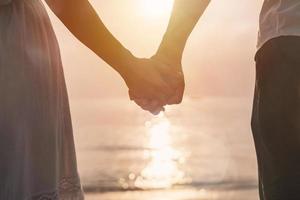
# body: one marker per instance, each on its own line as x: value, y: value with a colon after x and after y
x: 200, y: 150
x: 178, y: 195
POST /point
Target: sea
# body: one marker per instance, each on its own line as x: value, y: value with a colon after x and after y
x: 199, y: 150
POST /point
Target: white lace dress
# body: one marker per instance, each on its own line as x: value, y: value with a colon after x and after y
x: 37, y: 153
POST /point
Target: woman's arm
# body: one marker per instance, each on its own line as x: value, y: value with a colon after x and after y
x: 82, y: 20
x: 140, y: 75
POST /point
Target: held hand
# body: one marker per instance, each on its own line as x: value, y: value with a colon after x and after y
x: 175, y: 77
x: 153, y: 106
x: 172, y: 74
x: 147, y: 85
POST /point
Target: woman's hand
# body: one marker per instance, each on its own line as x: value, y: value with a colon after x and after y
x: 146, y: 80
x: 154, y: 83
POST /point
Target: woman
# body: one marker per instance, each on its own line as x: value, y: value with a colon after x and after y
x: 37, y: 154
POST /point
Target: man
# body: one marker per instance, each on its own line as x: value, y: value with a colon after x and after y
x: 276, y: 109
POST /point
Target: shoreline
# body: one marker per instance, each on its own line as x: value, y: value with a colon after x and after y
x: 177, y: 194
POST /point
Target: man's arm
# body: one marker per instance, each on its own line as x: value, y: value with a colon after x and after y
x: 185, y: 16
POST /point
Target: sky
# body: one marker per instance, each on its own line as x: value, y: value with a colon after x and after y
x: 218, y: 59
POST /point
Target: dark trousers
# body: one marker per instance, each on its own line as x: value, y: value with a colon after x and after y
x: 276, y: 118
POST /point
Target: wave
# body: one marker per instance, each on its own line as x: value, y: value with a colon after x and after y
x: 222, y: 185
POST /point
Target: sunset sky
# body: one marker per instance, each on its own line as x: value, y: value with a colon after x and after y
x: 218, y: 59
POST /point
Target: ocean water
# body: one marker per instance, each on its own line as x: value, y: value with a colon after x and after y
x: 202, y: 149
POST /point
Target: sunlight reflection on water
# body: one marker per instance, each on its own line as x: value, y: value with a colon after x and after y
x: 162, y: 170
x: 202, y: 152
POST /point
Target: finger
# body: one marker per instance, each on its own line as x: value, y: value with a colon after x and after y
x: 142, y: 98
x: 165, y: 68
x: 155, y: 107
x: 138, y: 97
x: 164, y: 71
x: 158, y: 93
x: 163, y: 91
x: 156, y: 112
x: 171, y: 93
x: 152, y: 106
x: 177, y: 97
x: 173, y: 78
x: 145, y: 104
x: 132, y: 95
x: 157, y: 90
x: 176, y: 80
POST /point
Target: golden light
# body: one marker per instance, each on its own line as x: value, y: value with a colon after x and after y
x: 162, y: 171
x: 155, y: 8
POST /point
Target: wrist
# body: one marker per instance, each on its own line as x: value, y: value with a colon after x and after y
x: 126, y: 68
x: 170, y: 57
x: 170, y: 52
x: 124, y: 63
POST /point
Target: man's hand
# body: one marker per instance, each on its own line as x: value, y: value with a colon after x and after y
x: 174, y: 78
x: 146, y: 80
x: 170, y: 92
x: 169, y: 55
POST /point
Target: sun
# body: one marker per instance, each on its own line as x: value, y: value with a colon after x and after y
x: 155, y: 8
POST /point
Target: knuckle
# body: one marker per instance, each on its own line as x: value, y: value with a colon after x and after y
x: 178, y: 100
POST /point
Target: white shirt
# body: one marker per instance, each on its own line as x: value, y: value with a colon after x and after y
x: 279, y: 18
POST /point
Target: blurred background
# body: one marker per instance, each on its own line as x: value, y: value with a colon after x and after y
x: 201, y: 149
